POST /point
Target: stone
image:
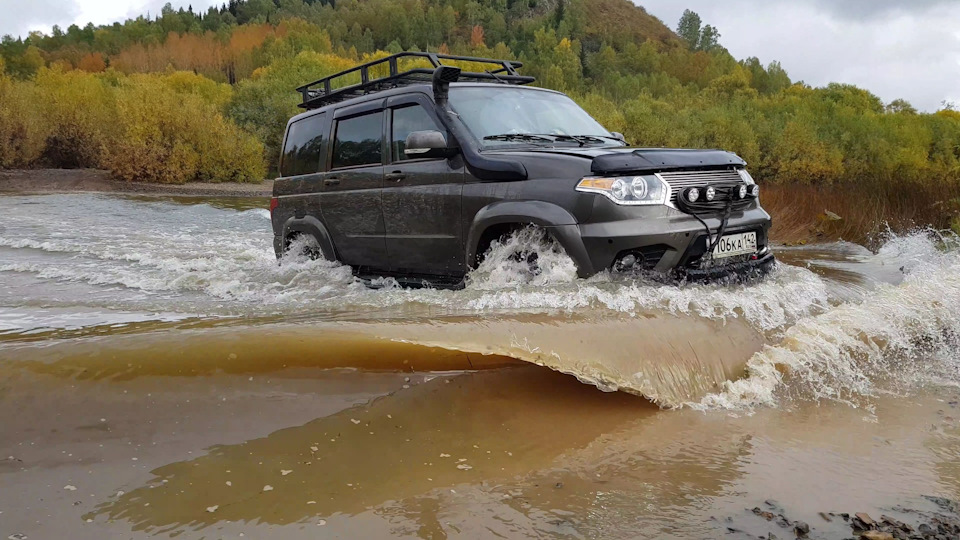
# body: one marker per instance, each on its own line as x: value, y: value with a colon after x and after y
x: 876, y: 535
x: 801, y: 528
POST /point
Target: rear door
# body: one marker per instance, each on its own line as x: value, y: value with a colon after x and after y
x: 421, y: 197
x: 351, y: 205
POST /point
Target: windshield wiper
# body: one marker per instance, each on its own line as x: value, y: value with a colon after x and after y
x: 582, y: 140
x: 517, y: 137
x: 600, y: 137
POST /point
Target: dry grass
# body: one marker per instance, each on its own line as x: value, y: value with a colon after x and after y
x: 801, y: 214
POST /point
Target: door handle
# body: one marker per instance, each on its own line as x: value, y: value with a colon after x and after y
x: 396, y: 176
x: 331, y: 181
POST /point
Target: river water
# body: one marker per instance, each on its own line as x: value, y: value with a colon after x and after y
x: 162, y: 374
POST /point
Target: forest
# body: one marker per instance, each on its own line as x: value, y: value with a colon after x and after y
x: 181, y: 96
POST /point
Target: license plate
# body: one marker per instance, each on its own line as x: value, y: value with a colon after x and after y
x: 735, y: 244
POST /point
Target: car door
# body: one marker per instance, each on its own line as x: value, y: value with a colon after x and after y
x: 421, y: 197
x: 351, y: 203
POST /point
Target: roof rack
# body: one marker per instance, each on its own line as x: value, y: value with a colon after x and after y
x: 322, y: 92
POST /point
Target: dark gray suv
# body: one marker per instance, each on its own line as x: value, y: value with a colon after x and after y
x: 412, y: 172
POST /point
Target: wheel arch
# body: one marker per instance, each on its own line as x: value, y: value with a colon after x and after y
x: 314, y: 227
x: 498, y: 218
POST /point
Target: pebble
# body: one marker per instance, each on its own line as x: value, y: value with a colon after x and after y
x: 354, y: 420
x: 70, y: 488
x: 464, y: 467
x: 268, y: 487
x: 285, y: 472
x: 213, y: 508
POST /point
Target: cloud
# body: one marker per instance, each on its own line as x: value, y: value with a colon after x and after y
x: 20, y: 17
x: 872, y: 9
x: 893, y: 49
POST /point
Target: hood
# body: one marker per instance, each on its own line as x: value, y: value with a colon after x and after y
x: 644, y: 160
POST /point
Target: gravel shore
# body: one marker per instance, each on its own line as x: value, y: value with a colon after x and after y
x: 75, y: 180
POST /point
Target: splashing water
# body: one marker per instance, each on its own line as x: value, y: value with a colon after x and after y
x: 897, y: 337
x: 162, y: 260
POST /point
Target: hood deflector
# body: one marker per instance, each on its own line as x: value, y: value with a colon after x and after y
x: 661, y: 159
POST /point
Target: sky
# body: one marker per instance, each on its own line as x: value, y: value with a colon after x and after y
x: 906, y: 49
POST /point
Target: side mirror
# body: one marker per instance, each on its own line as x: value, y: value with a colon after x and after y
x: 427, y: 144
x: 619, y: 136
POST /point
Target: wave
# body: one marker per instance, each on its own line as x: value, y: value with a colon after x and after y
x: 899, y: 337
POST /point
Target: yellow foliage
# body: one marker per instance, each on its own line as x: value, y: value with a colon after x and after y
x: 174, y: 138
x: 22, y: 132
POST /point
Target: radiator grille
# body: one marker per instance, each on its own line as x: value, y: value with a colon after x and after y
x: 680, y: 180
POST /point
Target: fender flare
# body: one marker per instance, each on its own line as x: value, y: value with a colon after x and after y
x: 559, y: 222
x: 314, y: 227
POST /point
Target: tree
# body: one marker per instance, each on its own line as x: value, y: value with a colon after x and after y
x: 901, y: 106
x: 689, y: 28
x: 698, y: 37
x: 476, y: 37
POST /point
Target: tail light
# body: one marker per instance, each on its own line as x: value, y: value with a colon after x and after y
x: 273, y: 204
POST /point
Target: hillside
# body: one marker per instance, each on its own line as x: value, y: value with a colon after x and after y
x: 190, y: 96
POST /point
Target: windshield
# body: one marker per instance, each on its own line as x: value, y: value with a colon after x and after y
x: 507, y: 115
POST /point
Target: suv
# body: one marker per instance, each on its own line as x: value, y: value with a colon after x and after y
x: 414, y: 173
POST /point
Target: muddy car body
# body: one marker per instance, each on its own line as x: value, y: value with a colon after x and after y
x: 415, y: 174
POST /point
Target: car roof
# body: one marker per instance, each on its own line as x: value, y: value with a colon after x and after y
x: 403, y: 90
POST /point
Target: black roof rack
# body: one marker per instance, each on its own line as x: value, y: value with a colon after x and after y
x: 322, y: 92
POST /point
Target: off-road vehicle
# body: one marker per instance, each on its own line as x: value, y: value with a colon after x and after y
x: 413, y: 173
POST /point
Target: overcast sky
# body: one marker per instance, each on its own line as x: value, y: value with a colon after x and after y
x: 895, y: 48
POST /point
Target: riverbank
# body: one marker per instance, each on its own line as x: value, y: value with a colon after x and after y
x: 94, y: 180
x: 801, y: 214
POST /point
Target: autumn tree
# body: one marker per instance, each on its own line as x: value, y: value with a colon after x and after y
x: 698, y: 37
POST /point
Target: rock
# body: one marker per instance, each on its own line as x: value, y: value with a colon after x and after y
x: 863, y: 522
x: 825, y: 517
x: 925, y: 529
x: 876, y: 535
x: 764, y: 514
x: 801, y: 528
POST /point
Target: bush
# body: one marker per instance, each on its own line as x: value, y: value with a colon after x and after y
x: 80, y: 113
x: 263, y: 104
x: 23, y: 133
x: 177, y: 137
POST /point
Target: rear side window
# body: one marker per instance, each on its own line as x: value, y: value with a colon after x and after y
x: 301, y: 152
x: 358, y: 141
x: 406, y: 121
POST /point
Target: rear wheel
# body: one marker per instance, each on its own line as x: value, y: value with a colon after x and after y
x: 305, y: 245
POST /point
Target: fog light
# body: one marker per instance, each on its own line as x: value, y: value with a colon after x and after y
x: 711, y: 193
x: 743, y: 191
x: 693, y: 194
x: 755, y: 190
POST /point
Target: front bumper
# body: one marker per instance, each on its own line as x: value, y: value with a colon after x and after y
x: 663, y: 240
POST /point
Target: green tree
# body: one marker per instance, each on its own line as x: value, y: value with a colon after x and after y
x: 689, y: 28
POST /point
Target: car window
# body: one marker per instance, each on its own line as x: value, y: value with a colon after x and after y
x: 301, y: 152
x: 358, y: 141
x: 406, y: 121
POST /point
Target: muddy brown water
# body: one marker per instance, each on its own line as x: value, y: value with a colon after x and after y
x: 161, y: 375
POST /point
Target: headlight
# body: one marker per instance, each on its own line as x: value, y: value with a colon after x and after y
x: 627, y: 190
x: 745, y: 176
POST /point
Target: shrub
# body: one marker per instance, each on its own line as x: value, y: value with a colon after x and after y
x: 23, y: 133
x: 174, y: 137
